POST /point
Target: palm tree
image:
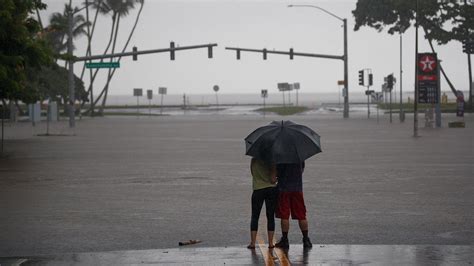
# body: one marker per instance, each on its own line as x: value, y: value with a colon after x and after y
x: 58, y: 28
x: 117, y: 9
x: 90, y: 34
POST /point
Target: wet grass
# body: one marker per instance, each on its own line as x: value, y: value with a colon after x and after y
x: 130, y: 114
x: 281, y: 110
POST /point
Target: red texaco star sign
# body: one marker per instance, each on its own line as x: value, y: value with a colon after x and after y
x: 427, y: 63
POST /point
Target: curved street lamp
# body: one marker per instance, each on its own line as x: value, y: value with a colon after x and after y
x: 346, y: 82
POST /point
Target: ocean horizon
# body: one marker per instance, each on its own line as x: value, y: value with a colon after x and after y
x: 305, y: 99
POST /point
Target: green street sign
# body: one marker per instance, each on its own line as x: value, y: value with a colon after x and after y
x: 103, y: 65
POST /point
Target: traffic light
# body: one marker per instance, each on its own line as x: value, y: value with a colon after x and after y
x: 209, y: 52
x: 135, y: 53
x: 468, y: 46
x: 291, y: 53
x: 390, y: 81
x: 371, y: 79
x: 172, y: 50
x: 264, y: 54
x: 238, y: 54
x: 361, y: 77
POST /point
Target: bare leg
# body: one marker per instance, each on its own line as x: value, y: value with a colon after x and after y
x: 285, y: 225
x: 303, y: 225
x: 304, y: 230
x: 270, y: 238
x: 253, y: 238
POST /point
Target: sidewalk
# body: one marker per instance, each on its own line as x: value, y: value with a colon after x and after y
x: 318, y: 255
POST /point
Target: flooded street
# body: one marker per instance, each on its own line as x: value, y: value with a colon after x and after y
x: 124, y: 183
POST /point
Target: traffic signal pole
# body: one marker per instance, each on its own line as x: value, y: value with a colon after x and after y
x: 72, y: 59
x: 292, y: 53
x: 136, y: 53
x: 284, y: 53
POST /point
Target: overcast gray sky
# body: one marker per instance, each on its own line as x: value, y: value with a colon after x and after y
x: 258, y: 25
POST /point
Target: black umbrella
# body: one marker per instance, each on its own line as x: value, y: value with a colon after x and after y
x: 282, y: 142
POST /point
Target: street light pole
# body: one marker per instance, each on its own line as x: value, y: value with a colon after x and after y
x: 346, y: 70
x: 72, y: 90
x: 345, y: 56
x: 72, y: 122
x: 401, y: 115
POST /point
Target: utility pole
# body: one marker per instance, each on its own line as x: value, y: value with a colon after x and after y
x: 72, y: 122
x: 346, y: 75
x: 415, y: 111
x: 469, y: 44
x: 401, y: 115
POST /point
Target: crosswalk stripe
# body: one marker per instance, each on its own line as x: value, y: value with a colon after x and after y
x: 267, y: 256
x: 282, y: 257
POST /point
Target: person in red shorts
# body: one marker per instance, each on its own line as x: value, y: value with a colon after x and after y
x: 291, y: 201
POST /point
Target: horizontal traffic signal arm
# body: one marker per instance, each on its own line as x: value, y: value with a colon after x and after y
x: 341, y: 57
x: 164, y: 50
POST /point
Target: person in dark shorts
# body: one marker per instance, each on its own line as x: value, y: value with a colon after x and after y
x: 264, y: 190
x: 291, y: 201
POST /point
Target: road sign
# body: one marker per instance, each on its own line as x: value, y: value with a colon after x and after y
x: 264, y: 93
x: 377, y: 97
x: 428, y: 77
x: 162, y: 90
x: 369, y: 92
x: 296, y: 85
x: 215, y: 88
x: 344, y: 92
x: 137, y: 92
x: 284, y: 86
x: 340, y: 82
x: 149, y: 94
x: 103, y: 65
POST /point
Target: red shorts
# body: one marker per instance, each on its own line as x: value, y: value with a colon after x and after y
x: 291, y: 202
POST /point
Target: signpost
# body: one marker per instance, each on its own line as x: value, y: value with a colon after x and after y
x: 216, y: 89
x: 162, y: 91
x: 340, y: 83
x: 264, y: 94
x: 149, y: 94
x: 428, y: 90
x: 428, y: 82
x: 283, y: 87
x: 377, y: 97
x: 103, y: 65
x: 296, y: 86
x: 138, y: 93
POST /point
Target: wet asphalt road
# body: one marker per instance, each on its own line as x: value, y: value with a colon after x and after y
x: 127, y: 183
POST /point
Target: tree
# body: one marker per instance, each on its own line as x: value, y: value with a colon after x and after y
x: 51, y: 82
x: 57, y: 30
x: 442, y: 20
x: 116, y: 9
x: 21, y: 47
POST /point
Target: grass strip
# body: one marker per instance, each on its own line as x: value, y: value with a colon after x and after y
x: 281, y: 110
